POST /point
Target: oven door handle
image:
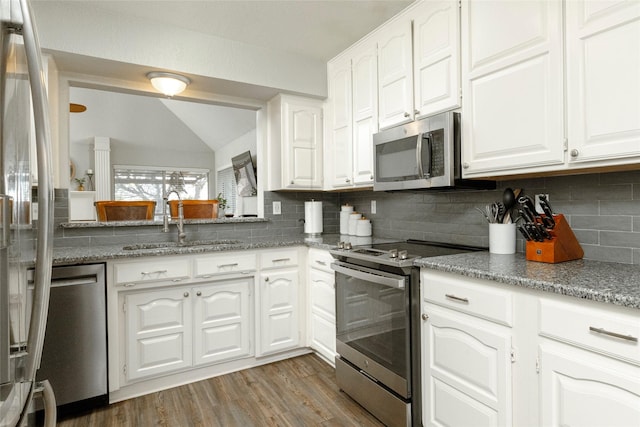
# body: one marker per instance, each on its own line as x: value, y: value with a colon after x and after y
x: 370, y: 277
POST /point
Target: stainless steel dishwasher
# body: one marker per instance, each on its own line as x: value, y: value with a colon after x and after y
x: 74, y: 357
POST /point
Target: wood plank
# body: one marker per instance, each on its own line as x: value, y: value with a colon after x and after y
x: 296, y: 392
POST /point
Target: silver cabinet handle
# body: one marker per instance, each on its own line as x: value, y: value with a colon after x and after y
x: 235, y: 264
x: 321, y: 262
x: 206, y: 276
x: 455, y: 298
x: 266, y: 279
x: 186, y: 294
x: 416, y: 112
x: 129, y: 285
x: 199, y: 293
x: 407, y: 114
x: 347, y: 180
x: 425, y: 316
x: 146, y: 273
x: 575, y: 153
x: 465, y: 165
x: 613, y: 334
x: 281, y: 260
x: 176, y: 280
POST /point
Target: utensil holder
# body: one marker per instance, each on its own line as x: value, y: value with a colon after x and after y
x: 502, y: 238
x: 562, y: 247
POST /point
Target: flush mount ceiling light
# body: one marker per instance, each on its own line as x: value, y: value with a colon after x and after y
x: 168, y: 83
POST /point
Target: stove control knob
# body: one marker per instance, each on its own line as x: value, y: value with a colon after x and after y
x: 340, y: 245
x: 393, y: 253
x: 348, y: 246
x: 403, y: 254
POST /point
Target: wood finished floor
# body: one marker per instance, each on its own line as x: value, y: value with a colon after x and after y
x: 296, y: 392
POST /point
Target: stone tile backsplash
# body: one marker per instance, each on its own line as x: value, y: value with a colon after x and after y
x: 603, y: 210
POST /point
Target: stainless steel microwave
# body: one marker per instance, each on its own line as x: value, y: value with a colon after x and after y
x: 420, y: 155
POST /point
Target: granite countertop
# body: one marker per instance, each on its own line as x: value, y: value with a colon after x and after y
x: 84, y: 255
x: 607, y: 282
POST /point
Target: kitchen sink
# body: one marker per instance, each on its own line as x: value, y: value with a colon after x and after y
x: 166, y: 245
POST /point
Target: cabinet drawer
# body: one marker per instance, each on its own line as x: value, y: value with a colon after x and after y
x: 471, y: 296
x: 279, y: 258
x: 159, y: 269
x: 320, y: 259
x: 611, y: 333
x: 206, y: 266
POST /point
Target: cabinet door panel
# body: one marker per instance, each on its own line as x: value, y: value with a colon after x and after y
x: 436, y: 47
x: 322, y: 294
x: 222, y: 321
x: 454, y: 408
x: 512, y: 72
x: 303, y: 142
x: 395, y: 80
x: 603, y: 92
x: 158, y: 332
x: 365, y: 112
x: 340, y: 110
x: 471, y: 356
x: 279, y: 311
x: 581, y: 390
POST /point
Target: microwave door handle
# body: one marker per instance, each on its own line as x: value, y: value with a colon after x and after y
x: 423, y: 136
x: 419, y: 155
x: 428, y: 137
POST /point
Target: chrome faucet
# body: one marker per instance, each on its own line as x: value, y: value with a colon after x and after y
x: 165, y: 217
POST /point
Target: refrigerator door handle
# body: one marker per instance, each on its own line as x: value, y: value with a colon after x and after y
x: 5, y: 233
x: 44, y: 250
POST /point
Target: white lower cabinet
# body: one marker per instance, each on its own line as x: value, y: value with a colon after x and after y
x: 579, y: 388
x: 466, y: 361
x: 176, y: 328
x: 322, y: 306
x: 499, y: 355
x: 158, y: 332
x: 279, y: 311
x: 222, y: 321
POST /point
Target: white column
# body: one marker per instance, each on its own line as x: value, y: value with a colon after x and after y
x: 102, y: 152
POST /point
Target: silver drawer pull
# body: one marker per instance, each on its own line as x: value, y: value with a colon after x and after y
x: 281, y: 260
x: 129, y: 285
x: 455, y: 298
x: 206, y: 276
x: 321, y: 262
x: 613, y: 334
x: 146, y: 273
x: 235, y: 264
x: 176, y: 280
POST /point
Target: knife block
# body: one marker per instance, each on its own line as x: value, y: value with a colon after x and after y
x: 563, y: 245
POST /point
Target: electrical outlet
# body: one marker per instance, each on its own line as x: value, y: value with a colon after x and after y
x: 538, y: 208
x: 277, y: 208
x: 373, y: 207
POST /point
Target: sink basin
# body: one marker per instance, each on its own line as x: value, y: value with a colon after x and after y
x: 163, y: 245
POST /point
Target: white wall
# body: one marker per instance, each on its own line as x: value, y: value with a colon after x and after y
x: 77, y: 28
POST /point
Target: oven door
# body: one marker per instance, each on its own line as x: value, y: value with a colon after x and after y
x: 372, y: 324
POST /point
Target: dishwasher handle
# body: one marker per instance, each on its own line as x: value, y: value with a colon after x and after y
x: 74, y: 281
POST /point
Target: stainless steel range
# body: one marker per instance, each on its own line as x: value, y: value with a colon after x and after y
x: 378, y: 325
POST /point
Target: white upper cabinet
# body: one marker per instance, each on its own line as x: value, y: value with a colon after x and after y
x: 395, y: 74
x: 339, y: 124
x: 353, y: 111
x: 512, y: 77
x: 603, y: 81
x: 519, y: 115
x: 436, y: 57
x: 365, y: 112
x: 295, y: 143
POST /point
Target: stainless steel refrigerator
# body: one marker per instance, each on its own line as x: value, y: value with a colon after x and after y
x: 25, y: 153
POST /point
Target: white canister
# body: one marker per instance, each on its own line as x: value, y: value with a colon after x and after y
x: 345, y: 211
x: 353, y: 221
x: 502, y: 238
x: 363, y: 227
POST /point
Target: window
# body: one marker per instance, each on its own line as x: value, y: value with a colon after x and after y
x: 227, y: 186
x: 148, y: 183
